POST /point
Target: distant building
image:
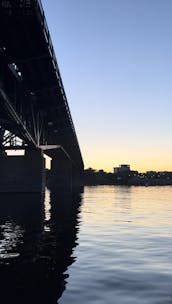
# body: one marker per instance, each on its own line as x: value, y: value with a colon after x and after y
x: 122, y: 174
x: 122, y: 169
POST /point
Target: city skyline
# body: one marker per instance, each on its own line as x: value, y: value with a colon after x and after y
x: 115, y: 62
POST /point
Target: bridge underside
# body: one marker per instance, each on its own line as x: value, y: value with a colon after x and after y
x: 27, y: 173
x: 34, y: 109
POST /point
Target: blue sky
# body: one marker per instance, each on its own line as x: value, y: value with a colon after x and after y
x: 115, y: 58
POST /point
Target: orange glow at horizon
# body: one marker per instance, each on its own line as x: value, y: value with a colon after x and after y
x: 141, y: 160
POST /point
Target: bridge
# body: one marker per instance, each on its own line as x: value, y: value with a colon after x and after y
x: 34, y: 112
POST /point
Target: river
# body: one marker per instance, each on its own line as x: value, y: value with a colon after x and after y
x: 107, y: 245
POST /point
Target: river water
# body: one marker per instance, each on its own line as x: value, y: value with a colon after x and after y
x: 107, y: 245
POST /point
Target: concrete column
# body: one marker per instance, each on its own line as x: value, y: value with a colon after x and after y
x: 64, y: 175
x: 77, y: 178
x: 23, y: 173
x: 61, y: 172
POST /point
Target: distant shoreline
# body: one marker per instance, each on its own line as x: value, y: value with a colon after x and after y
x: 128, y: 185
x: 127, y: 178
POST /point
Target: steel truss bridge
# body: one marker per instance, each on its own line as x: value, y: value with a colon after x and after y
x: 34, y: 111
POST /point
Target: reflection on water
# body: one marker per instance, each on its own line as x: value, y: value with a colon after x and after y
x: 123, y: 255
x: 37, y: 238
x: 11, y: 235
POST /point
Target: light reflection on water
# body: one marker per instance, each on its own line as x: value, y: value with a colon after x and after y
x: 10, y: 236
x: 125, y: 253
x: 37, y: 238
x: 111, y: 246
x: 47, y: 206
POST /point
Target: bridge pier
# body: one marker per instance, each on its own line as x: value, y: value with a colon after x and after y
x: 61, y: 172
x: 64, y: 177
x: 77, y: 178
x: 20, y: 173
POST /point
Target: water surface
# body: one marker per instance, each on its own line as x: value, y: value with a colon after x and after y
x: 125, y: 247
x: 110, y: 244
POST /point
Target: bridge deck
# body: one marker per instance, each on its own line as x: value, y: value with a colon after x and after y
x: 34, y: 104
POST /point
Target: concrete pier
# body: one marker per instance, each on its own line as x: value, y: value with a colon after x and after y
x: 22, y: 173
x: 61, y: 172
x: 77, y: 178
x: 64, y: 175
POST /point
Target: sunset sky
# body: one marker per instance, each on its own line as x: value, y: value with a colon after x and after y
x: 115, y: 58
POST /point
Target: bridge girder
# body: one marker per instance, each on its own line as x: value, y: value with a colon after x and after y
x: 33, y: 103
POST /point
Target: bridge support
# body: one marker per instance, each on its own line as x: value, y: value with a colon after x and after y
x: 22, y: 173
x: 64, y: 176
x: 77, y: 178
x: 61, y: 172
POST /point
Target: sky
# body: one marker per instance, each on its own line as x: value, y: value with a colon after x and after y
x: 115, y: 59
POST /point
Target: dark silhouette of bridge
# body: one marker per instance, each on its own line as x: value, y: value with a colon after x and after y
x: 34, y: 112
